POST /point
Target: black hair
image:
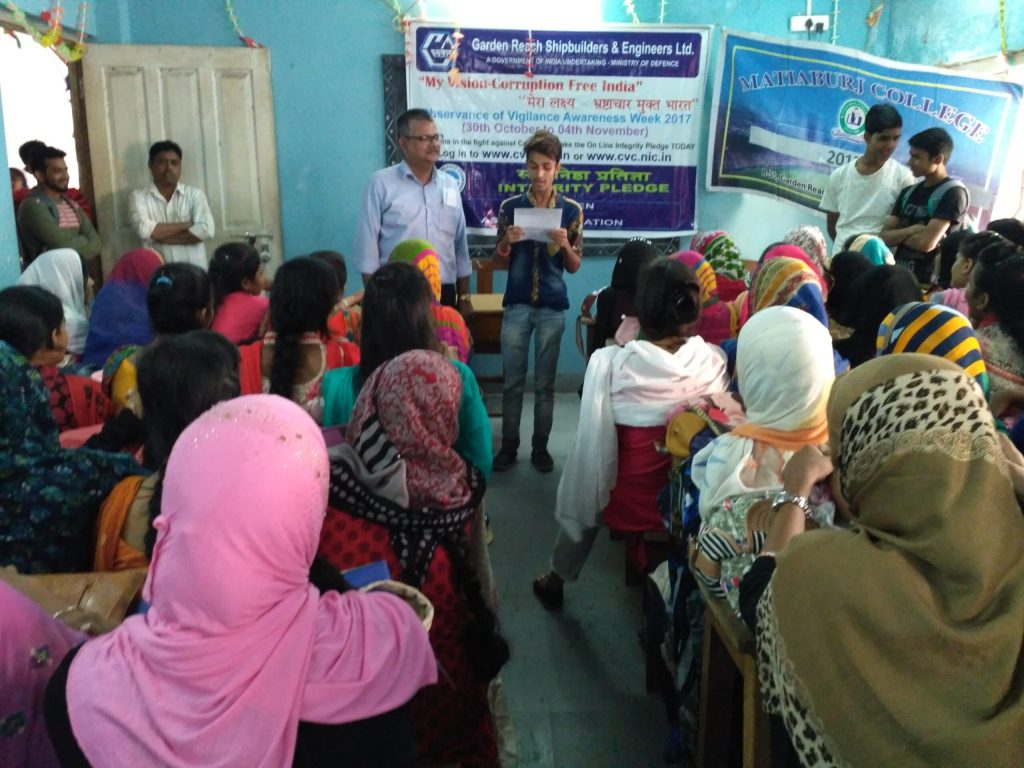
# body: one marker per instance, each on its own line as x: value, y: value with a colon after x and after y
x: 29, y: 315
x: 407, y: 118
x: 934, y: 141
x: 545, y: 143
x: 633, y: 256
x: 19, y: 176
x: 301, y: 300
x: 975, y: 242
x: 1011, y: 229
x: 999, y: 272
x: 27, y: 152
x: 232, y: 263
x: 179, y: 378
x: 164, y: 146
x: 396, y: 316
x: 667, y: 298
x: 41, y: 155
x: 178, y: 293
x: 335, y: 261
x: 951, y: 244
x: 874, y: 295
x: 882, y: 117
x: 845, y: 268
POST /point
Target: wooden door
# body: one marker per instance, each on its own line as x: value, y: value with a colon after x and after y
x: 216, y: 103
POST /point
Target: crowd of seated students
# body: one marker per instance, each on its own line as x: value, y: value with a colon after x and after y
x: 812, y: 351
x: 171, y: 481
x: 860, y: 390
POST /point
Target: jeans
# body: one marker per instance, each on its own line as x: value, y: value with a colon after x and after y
x: 518, y: 324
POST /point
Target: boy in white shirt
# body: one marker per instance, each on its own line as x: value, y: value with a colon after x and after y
x: 860, y: 195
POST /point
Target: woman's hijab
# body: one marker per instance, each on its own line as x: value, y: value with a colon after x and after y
x: 415, y: 399
x: 60, y: 272
x: 633, y: 255
x: 812, y: 242
x: 783, y: 281
x: 49, y: 495
x: 704, y: 273
x: 874, y: 248
x: 721, y: 252
x: 32, y: 645
x: 874, y: 295
x: 845, y: 268
x: 918, y: 662
x: 120, y: 315
x: 238, y: 646
x: 790, y: 251
x: 933, y: 329
x: 785, y: 371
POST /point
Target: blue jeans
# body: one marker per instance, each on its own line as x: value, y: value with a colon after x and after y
x: 518, y: 324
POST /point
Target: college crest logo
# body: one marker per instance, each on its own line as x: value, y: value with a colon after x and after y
x: 852, y: 115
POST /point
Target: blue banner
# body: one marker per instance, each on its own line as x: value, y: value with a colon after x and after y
x: 786, y: 114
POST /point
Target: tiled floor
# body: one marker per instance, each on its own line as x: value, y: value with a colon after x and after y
x: 576, y: 680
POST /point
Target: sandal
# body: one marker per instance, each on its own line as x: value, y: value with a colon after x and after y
x: 549, y: 591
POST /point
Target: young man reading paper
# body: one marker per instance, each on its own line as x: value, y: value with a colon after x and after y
x: 540, y: 234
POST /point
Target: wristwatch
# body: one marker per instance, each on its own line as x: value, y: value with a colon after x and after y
x: 785, y: 497
x: 463, y: 297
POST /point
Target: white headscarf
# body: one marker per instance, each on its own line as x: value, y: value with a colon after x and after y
x: 785, y: 370
x: 60, y: 272
x: 635, y: 385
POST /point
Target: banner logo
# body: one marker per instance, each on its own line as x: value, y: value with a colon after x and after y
x: 852, y: 115
x: 435, y: 50
x: 456, y: 172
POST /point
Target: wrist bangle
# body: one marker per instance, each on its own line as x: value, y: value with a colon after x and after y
x: 785, y: 497
x: 463, y: 297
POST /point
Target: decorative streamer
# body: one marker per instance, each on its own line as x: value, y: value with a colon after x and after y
x: 529, y: 53
x: 233, y: 19
x: 454, y: 75
x: 630, y: 6
x: 53, y: 37
x: 661, y: 15
x: 1002, y: 29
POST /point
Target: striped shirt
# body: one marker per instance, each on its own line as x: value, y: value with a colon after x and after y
x: 67, y: 217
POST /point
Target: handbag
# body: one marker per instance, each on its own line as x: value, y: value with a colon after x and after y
x: 94, y: 602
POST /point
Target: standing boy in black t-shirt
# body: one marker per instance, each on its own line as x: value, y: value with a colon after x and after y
x: 926, y: 212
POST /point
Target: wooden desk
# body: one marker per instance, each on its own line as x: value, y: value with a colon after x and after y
x: 485, y: 322
x: 729, y: 667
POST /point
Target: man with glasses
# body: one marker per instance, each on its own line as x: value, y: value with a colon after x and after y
x: 414, y: 201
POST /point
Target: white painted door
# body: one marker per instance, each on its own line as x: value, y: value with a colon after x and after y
x: 216, y: 103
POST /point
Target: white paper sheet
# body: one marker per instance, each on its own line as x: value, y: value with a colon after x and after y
x: 537, y: 222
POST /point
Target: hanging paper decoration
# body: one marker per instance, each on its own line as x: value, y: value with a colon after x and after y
x: 233, y: 19
x: 53, y: 38
x: 454, y: 76
x: 875, y: 15
x: 630, y: 6
x: 529, y: 53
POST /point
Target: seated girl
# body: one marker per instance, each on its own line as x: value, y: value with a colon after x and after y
x: 785, y: 371
x: 120, y: 314
x: 971, y: 246
x: 993, y: 295
x: 30, y: 315
x: 448, y: 323
x: 60, y: 272
x: 400, y: 492
x: 49, y: 495
x: 239, y: 306
x: 904, y: 611
x: 179, y: 300
x: 613, y: 472
x: 843, y: 272
x: 179, y: 378
x: 722, y: 253
x: 291, y: 360
x: 719, y: 320
x: 346, y: 317
x: 874, y: 295
x: 241, y: 660
x: 397, y: 318
x: 616, y: 303
x: 872, y: 247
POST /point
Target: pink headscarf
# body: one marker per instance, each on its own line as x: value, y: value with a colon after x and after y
x: 136, y: 266
x: 238, y: 646
x: 416, y: 397
x: 32, y: 645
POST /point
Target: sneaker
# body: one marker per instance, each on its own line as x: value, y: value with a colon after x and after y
x: 541, y: 460
x: 505, y: 458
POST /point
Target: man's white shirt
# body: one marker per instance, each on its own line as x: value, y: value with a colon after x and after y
x: 863, y: 202
x: 147, y: 208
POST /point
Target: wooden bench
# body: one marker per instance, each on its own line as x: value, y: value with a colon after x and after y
x: 728, y: 673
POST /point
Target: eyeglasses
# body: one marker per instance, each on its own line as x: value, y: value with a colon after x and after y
x: 426, y: 139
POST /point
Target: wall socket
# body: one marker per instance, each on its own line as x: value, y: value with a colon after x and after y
x: 800, y: 23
